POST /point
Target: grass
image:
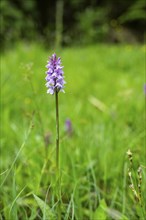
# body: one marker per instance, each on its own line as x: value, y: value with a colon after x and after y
x: 105, y: 102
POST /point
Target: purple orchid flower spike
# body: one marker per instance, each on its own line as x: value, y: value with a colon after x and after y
x: 54, y: 78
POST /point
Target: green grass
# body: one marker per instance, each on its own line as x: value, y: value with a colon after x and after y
x: 94, y: 164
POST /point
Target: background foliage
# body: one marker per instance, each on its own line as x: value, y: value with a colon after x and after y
x: 83, y: 21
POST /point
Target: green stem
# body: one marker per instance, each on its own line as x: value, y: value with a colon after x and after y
x: 57, y: 155
x: 57, y: 130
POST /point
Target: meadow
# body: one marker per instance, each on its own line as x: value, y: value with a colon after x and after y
x: 105, y: 102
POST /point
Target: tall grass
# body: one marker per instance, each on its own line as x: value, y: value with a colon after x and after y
x: 104, y: 100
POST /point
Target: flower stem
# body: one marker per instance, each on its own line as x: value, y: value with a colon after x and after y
x: 57, y: 155
x: 57, y: 130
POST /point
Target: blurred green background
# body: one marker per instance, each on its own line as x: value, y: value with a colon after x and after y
x: 75, y: 21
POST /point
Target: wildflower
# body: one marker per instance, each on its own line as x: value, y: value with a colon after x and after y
x: 145, y: 88
x: 54, y: 78
x: 68, y: 126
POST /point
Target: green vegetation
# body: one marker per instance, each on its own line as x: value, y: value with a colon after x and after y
x: 72, y: 22
x: 104, y: 100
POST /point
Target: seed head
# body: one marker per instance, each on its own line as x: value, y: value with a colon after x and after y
x: 129, y: 153
x: 139, y: 170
